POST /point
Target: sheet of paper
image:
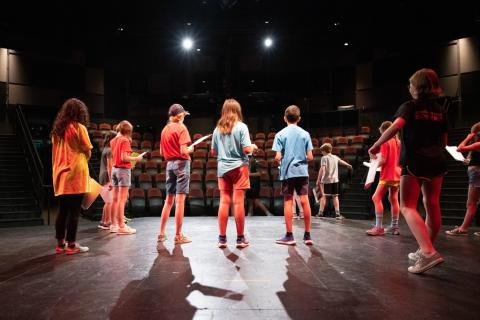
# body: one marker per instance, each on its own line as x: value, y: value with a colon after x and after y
x: 454, y: 153
x: 89, y: 197
x: 201, y: 139
x: 106, y: 194
x: 315, y: 194
x: 367, y: 164
x: 373, y: 169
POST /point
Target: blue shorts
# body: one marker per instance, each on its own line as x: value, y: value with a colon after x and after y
x: 178, y: 177
x: 474, y: 176
x: 121, y: 177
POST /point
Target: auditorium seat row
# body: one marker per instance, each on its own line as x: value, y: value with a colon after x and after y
x: 199, y: 202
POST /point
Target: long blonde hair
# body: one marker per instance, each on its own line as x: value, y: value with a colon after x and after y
x: 231, y: 113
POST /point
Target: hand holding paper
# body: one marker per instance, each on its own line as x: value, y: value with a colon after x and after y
x: 373, y: 166
x: 454, y: 153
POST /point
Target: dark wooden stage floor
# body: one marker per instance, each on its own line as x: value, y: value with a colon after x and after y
x: 345, y: 275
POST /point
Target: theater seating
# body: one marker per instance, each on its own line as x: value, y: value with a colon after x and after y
x: 137, y: 201
x: 160, y: 180
x: 196, y: 201
x: 151, y: 168
x: 155, y: 200
x: 145, y: 181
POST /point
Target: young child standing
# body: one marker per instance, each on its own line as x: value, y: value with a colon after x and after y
x: 71, y: 150
x: 389, y: 181
x: 473, y: 163
x: 174, y: 142
x: 105, y: 178
x: 423, y: 125
x: 294, y: 149
x: 327, y: 180
x: 231, y: 143
x: 121, y: 177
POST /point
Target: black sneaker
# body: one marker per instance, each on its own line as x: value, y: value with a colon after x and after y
x: 307, y: 239
x: 242, y: 242
x: 222, y: 242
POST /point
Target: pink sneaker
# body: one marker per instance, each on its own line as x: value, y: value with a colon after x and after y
x: 376, y: 231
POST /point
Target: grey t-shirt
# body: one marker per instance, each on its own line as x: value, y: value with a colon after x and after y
x: 103, y: 176
x: 330, y: 161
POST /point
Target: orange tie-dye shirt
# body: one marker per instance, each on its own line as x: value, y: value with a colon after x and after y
x: 70, y: 161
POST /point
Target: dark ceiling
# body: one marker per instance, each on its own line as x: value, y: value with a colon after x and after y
x: 305, y: 25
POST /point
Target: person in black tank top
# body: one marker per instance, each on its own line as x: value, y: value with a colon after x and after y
x: 473, y: 162
x: 424, y: 136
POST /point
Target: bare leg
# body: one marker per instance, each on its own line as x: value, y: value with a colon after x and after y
x: 167, y: 207
x: 115, y: 206
x: 225, y: 201
x: 123, y: 197
x: 431, y: 197
x: 179, y: 212
x: 239, y: 212
x: 307, y: 212
x: 409, y: 193
x: 394, y: 205
x: 287, y: 209
x: 473, y: 197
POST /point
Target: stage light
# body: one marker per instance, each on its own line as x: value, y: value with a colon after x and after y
x: 198, y: 49
x: 267, y: 22
x: 187, y: 43
x: 268, y: 42
x: 346, y: 44
x: 336, y: 24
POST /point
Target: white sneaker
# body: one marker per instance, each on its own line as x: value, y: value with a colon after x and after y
x: 113, y: 229
x: 126, y: 231
x: 77, y: 249
x: 414, y: 256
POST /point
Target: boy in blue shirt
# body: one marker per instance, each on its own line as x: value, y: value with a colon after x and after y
x: 294, y: 149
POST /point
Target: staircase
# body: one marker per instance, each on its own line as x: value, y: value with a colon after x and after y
x: 454, y: 194
x: 356, y: 203
x: 18, y: 204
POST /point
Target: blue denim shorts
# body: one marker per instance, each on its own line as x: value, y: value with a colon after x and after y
x: 178, y: 177
x: 474, y: 176
x: 121, y: 177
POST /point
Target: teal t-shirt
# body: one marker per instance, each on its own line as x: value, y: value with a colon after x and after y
x: 229, y: 148
x: 294, y: 143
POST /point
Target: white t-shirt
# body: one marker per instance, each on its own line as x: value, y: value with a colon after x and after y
x: 330, y: 161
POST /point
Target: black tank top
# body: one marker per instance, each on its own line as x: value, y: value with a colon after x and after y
x: 475, y: 160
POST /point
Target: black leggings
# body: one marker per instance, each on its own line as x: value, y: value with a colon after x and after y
x: 67, y: 218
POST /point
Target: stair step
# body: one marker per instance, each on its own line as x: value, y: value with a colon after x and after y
x: 17, y: 199
x: 355, y: 215
x: 25, y: 214
x: 452, y: 205
x: 447, y: 183
x: 17, y: 207
x: 447, y: 212
x: 452, y: 221
x: 454, y: 197
x: 20, y: 222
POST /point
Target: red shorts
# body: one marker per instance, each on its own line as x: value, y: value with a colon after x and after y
x: 236, y: 179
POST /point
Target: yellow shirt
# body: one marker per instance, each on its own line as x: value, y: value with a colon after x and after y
x: 70, y: 161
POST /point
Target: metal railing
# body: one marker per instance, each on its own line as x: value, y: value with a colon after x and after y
x: 42, y: 190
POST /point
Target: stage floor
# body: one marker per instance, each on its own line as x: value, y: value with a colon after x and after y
x: 345, y: 275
